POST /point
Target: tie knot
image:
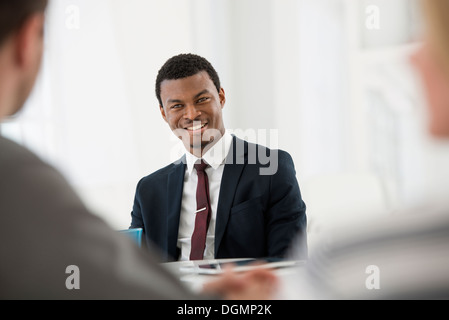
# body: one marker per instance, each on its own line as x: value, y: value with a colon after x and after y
x: 201, y: 166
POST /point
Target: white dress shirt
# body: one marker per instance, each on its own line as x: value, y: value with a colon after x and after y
x: 215, y: 157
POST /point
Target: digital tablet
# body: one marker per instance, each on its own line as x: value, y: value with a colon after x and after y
x: 216, y: 267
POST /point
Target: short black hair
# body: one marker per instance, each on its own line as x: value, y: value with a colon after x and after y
x: 182, y: 66
x: 13, y: 13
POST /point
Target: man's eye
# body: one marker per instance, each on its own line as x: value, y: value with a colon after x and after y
x: 176, y: 106
x: 202, y: 99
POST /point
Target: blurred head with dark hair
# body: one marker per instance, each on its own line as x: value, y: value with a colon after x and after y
x: 13, y: 13
x: 21, y: 46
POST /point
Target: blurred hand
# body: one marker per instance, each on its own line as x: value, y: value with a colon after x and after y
x: 257, y: 284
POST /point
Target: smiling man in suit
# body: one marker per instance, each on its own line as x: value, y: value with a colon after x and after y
x: 244, y: 202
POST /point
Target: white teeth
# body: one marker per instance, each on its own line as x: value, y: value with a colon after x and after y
x: 197, y: 127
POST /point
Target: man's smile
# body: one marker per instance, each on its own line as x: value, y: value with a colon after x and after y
x: 197, y: 127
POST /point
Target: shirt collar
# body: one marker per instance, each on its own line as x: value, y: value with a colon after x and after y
x: 215, y: 156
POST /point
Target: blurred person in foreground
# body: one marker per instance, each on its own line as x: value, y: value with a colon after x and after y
x: 46, y: 233
x: 405, y: 256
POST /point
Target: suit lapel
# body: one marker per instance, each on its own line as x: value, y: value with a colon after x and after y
x: 174, y: 198
x: 234, y: 164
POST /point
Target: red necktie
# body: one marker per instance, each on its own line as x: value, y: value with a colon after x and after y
x: 202, y: 214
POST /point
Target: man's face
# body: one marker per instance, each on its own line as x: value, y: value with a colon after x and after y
x: 192, y: 107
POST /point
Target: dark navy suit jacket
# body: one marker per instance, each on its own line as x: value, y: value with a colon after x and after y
x: 260, y: 209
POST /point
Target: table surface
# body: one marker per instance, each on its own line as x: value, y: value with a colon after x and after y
x: 194, y: 275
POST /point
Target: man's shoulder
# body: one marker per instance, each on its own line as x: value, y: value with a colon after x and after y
x: 261, y: 152
x: 163, y: 173
x: 30, y: 183
x: 14, y: 156
x: 253, y: 145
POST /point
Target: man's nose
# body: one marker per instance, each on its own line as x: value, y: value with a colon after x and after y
x: 191, y: 112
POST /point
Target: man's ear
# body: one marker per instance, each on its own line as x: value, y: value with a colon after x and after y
x: 161, y: 108
x: 222, y: 96
x: 29, y: 41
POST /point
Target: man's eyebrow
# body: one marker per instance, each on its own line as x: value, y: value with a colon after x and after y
x: 174, y: 101
x: 170, y: 101
x: 201, y: 93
